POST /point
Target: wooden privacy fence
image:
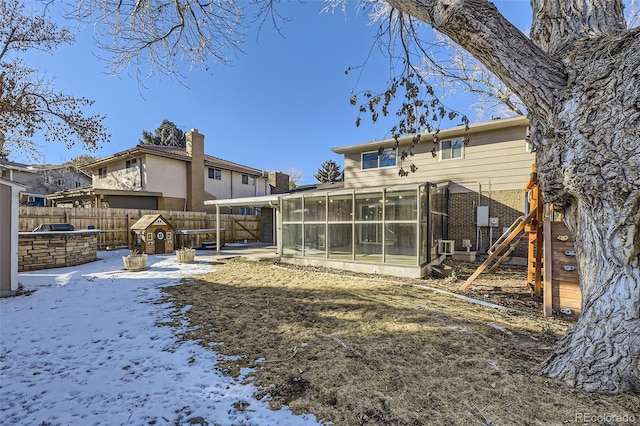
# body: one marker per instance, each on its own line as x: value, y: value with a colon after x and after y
x: 115, y: 223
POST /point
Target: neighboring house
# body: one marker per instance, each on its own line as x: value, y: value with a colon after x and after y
x: 460, y: 195
x: 169, y: 178
x: 42, y: 180
x: 9, y: 198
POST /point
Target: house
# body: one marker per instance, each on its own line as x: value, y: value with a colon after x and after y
x: 9, y: 199
x: 170, y: 178
x: 42, y: 180
x: 468, y: 185
x: 486, y: 177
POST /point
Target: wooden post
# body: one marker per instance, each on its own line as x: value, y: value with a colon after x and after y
x: 129, y: 236
x: 548, y: 269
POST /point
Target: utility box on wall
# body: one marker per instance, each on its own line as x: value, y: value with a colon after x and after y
x: 482, y: 216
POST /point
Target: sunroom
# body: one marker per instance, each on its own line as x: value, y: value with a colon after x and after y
x: 391, y: 230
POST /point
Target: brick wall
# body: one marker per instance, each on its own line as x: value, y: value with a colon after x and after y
x: 507, y: 206
x: 55, y: 250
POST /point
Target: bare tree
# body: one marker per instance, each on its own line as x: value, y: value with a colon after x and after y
x: 577, y: 76
x: 81, y: 160
x: 29, y: 101
x: 295, y: 176
x: 458, y: 71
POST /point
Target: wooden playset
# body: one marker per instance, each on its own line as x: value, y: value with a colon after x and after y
x: 552, y: 269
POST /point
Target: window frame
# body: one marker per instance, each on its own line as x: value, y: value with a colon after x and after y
x: 214, y: 173
x: 451, y: 148
x: 102, y: 172
x: 250, y: 180
x: 129, y: 164
x: 379, y: 158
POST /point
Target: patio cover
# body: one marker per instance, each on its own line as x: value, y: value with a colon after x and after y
x: 263, y: 201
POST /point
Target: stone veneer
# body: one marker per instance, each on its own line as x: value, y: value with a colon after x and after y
x: 44, y: 250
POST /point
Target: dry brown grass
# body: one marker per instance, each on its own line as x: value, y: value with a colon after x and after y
x: 368, y: 350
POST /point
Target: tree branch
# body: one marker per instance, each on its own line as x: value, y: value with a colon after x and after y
x: 478, y: 27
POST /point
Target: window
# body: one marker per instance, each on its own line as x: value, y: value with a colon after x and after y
x: 78, y: 184
x: 452, y: 149
x: 131, y: 163
x: 4, y: 174
x: 215, y: 174
x: 248, y: 180
x: 375, y: 160
x: 102, y: 172
x: 60, y: 182
x: 246, y: 211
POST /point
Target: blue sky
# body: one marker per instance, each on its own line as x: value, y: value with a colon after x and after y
x: 281, y: 106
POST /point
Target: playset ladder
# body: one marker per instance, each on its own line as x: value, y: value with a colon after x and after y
x: 532, y: 227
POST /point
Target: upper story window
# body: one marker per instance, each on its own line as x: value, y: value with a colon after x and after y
x: 375, y: 160
x: 451, y: 149
x: 131, y: 163
x: 102, y: 172
x: 5, y: 174
x: 60, y: 182
x: 215, y: 174
x: 248, y: 180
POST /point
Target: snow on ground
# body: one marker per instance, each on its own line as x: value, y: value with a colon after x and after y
x: 85, y: 348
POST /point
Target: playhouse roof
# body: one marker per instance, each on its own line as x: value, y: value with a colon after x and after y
x: 147, y: 220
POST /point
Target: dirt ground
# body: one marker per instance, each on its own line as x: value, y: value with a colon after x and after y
x: 370, y: 350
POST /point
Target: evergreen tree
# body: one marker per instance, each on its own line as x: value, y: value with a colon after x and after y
x: 167, y: 134
x: 329, y: 172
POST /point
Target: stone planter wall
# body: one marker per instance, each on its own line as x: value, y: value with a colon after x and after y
x: 44, y: 250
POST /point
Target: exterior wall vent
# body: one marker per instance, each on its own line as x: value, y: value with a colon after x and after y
x: 446, y: 247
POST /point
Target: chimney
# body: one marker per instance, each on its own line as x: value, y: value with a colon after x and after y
x: 279, y: 182
x: 194, y: 148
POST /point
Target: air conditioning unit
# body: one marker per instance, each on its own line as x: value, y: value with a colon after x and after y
x: 446, y: 247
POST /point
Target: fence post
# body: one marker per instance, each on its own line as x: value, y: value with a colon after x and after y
x: 129, y: 239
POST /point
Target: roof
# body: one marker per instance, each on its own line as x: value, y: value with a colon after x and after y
x: 518, y: 121
x: 265, y: 200
x: 89, y: 191
x: 17, y: 166
x: 147, y: 220
x: 178, y: 154
x: 162, y: 151
x: 44, y: 167
x: 12, y: 183
x: 211, y: 161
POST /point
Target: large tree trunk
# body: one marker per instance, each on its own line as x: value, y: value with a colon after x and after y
x: 579, y: 77
x: 589, y: 163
